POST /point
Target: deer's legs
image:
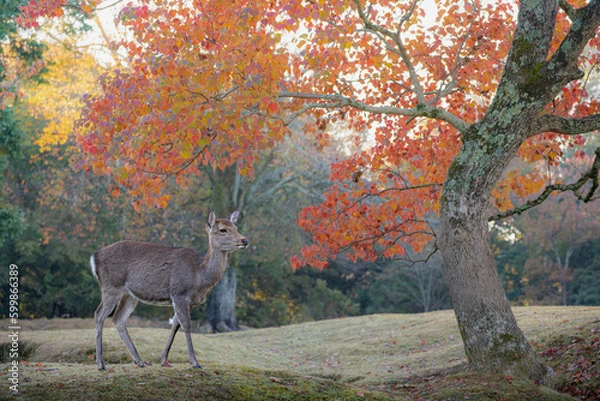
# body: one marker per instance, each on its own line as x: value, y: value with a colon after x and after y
x: 174, y: 329
x: 124, y: 310
x: 182, y: 310
x: 104, y: 309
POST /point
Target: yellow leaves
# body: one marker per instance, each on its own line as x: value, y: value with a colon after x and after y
x: 69, y: 76
x: 346, y: 45
x: 163, y: 201
x: 87, y: 9
x: 501, y: 198
x: 186, y: 150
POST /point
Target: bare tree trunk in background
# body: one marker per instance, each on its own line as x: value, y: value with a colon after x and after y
x: 221, y: 301
x: 231, y: 191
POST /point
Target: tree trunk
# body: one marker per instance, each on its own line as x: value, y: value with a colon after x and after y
x: 491, y: 337
x: 221, y: 303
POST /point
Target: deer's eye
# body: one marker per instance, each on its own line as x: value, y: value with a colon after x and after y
x: 223, y: 230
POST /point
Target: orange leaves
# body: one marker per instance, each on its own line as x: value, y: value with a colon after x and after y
x: 35, y: 9
x: 380, y: 204
x: 519, y: 183
x: 382, y: 197
x: 272, y: 107
x: 364, y: 223
x: 201, y: 90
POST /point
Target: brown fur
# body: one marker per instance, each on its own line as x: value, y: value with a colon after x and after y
x: 131, y: 271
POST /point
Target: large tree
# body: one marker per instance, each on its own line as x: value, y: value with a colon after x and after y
x: 535, y: 95
x: 448, y: 105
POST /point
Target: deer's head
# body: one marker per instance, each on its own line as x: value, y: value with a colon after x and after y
x: 223, y: 234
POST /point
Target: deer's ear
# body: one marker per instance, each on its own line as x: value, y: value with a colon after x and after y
x: 234, y: 217
x: 210, y: 222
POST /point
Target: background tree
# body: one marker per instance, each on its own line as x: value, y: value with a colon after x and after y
x: 585, y: 289
x: 556, y: 229
x: 20, y: 59
x: 278, y: 177
x: 63, y: 210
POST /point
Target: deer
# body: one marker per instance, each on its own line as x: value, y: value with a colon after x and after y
x: 132, y: 271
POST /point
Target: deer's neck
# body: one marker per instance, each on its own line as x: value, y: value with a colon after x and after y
x: 216, y: 263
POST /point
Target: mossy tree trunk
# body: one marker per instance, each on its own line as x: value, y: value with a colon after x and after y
x: 491, y: 336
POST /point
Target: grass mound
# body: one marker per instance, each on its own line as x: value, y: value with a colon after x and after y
x: 58, y: 382
x: 378, y: 357
x: 466, y: 385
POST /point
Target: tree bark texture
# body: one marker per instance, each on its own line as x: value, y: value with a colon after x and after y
x: 491, y: 336
x: 221, y: 303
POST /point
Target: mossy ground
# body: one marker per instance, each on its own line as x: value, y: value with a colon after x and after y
x: 379, y: 357
x: 59, y: 382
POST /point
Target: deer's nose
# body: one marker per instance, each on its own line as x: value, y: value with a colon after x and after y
x: 244, y: 242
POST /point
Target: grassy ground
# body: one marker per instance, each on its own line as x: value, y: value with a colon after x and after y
x: 403, y: 357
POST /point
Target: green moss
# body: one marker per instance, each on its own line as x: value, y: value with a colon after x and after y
x: 507, y: 347
x: 521, y: 48
x: 214, y: 382
x: 533, y: 79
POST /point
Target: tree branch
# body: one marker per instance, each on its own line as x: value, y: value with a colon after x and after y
x: 395, y: 37
x: 107, y: 40
x: 567, y: 126
x: 590, y: 175
x: 563, y: 63
x: 338, y: 101
x: 269, y: 192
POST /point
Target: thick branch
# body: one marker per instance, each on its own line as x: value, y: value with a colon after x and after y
x: 564, y: 62
x: 339, y: 101
x: 590, y: 175
x: 567, y: 126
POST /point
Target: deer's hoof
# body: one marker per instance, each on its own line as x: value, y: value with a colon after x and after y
x: 196, y: 366
x: 166, y: 365
x: 101, y: 368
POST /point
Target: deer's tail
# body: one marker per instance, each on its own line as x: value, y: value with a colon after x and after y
x: 93, y: 266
